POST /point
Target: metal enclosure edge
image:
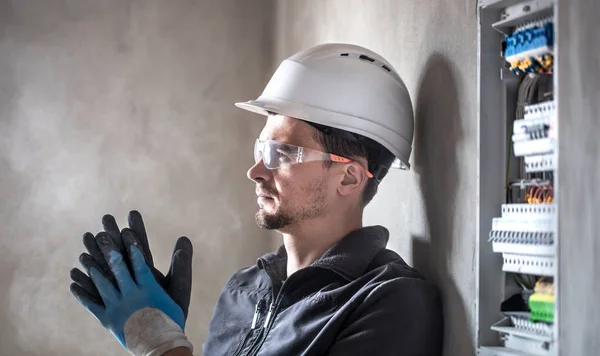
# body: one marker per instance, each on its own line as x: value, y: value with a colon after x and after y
x: 578, y: 176
x: 491, y: 161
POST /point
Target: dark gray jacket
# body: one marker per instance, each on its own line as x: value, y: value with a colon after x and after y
x: 359, y: 298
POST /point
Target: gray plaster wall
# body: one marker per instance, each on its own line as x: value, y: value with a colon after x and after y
x: 112, y: 105
x: 578, y: 195
x: 431, y: 210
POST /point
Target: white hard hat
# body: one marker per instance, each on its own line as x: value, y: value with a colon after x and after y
x: 346, y: 87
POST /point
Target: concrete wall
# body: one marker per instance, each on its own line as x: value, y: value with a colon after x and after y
x: 107, y: 106
x: 578, y: 195
x: 112, y: 105
x: 431, y: 210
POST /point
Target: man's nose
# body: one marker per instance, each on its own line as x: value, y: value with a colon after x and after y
x: 259, y: 172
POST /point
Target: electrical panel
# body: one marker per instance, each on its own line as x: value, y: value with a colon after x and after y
x: 518, y: 212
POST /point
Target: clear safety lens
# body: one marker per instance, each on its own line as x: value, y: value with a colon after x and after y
x: 274, y: 153
x: 258, y: 148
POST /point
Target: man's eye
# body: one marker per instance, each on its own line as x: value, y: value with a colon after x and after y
x: 283, y: 157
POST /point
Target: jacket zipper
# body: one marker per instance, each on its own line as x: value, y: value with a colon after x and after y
x: 269, y: 314
x: 261, y: 332
x: 260, y: 340
x: 268, y: 321
x: 258, y: 309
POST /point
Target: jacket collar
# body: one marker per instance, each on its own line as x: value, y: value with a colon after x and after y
x: 348, y: 258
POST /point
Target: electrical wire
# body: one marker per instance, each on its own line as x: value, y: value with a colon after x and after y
x: 544, y: 287
x: 531, y: 191
x: 526, y: 95
x: 526, y: 281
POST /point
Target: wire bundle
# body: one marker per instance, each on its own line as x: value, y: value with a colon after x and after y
x: 527, y: 94
x: 540, y: 195
x: 531, y: 191
x: 526, y: 281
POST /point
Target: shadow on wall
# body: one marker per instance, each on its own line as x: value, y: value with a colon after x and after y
x: 438, y: 131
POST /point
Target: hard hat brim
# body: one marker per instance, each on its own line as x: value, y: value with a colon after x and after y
x: 255, y: 107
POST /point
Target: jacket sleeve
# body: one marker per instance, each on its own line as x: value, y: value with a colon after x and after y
x: 401, y: 317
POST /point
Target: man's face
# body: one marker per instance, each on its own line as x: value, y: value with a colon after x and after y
x: 292, y: 194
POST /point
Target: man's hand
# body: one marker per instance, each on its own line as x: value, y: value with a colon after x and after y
x: 177, y: 283
x: 141, y: 315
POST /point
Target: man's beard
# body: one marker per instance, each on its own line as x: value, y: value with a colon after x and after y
x: 275, y: 221
x: 280, y: 218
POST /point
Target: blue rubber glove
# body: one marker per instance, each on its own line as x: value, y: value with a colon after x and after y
x: 177, y: 282
x: 140, y: 314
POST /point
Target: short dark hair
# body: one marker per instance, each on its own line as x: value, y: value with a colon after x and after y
x: 352, y: 146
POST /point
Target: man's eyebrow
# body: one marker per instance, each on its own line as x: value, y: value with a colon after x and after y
x: 285, y: 137
x: 263, y: 138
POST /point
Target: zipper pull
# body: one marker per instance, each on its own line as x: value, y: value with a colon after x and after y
x: 257, y: 310
x: 269, y: 314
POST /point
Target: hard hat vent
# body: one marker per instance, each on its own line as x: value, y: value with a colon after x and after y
x: 369, y: 59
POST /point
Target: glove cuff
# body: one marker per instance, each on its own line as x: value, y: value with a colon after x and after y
x: 159, y: 351
x: 150, y: 332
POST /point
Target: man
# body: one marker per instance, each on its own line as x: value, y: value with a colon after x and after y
x: 339, y: 117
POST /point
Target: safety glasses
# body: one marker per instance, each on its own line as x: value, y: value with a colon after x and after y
x: 275, y: 154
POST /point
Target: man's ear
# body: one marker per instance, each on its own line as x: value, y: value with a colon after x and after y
x: 354, y: 176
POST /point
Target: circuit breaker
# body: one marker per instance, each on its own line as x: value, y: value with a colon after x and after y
x: 518, y: 137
